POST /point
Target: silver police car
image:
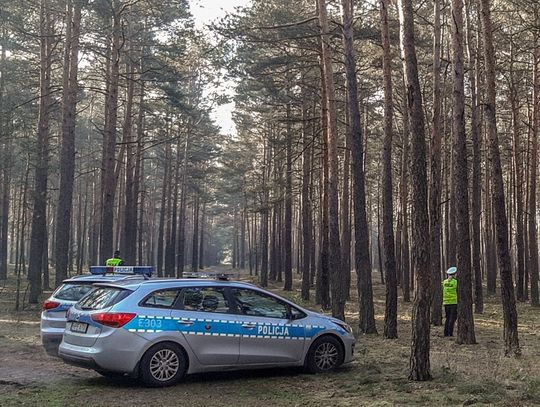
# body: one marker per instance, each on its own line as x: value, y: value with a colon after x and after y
x: 160, y: 330
x: 53, y: 315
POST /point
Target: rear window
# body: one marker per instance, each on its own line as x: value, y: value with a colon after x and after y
x: 72, y: 291
x: 103, y: 297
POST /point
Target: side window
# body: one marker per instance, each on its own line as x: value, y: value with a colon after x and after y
x: 206, y: 299
x: 161, y: 299
x: 258, y: 304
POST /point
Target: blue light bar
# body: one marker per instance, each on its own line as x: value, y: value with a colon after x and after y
x: 122, y: 270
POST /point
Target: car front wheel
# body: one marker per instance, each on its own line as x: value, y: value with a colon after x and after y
x: 325, y: 355
x: 163, y: 365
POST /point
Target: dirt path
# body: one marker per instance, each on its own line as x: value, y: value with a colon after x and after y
x: 29, y: 366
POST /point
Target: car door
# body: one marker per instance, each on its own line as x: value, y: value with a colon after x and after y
x: 208, y: 326
x: 268, y: 335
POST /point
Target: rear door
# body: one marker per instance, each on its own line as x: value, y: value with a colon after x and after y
x: 204, y: 318
x: 267, y: 334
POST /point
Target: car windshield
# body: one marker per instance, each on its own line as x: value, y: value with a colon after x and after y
x: 72, y: 291
x: 103, y: 297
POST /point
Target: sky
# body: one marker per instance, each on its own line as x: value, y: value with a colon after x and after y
x: 204, y: 12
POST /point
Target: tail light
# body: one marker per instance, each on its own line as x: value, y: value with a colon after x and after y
x: 47, y: 305
x: 113, y: 319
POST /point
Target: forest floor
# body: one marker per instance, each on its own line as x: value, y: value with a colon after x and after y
x: 463, y: 375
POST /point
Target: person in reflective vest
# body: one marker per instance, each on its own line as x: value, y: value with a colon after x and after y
x: 450, y: 300
x: 115, y: 260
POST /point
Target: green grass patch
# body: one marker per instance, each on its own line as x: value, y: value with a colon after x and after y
x: 531, y: 391
x: 486, y: 391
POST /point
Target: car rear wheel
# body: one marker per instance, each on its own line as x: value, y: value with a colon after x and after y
x: 325, y: 355
x: 163, y: 365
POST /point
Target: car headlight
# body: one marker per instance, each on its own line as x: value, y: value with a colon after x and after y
x: 345, y: 326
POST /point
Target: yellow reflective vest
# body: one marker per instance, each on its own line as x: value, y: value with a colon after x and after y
x: 113, y: 262
x: 449, y: 291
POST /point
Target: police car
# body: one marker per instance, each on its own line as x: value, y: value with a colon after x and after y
x: 53, y: 315
x: 160, y: 330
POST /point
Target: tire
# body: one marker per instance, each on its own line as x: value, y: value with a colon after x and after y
x: 325, y: 355
x: 163, y: 365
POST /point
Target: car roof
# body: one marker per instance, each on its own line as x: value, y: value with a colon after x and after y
x: 175, y: 282
x: 100, y: 278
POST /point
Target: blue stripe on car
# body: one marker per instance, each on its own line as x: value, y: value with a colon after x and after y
x: 219, y: 327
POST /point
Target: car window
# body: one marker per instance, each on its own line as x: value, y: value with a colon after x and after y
x: 205, y: 299
x: 72, y: 291
x: 161, y: 299
x: 102, y: 297
x: 258, y: 304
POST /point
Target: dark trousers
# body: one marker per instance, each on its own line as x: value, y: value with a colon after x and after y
x: 451, y: 316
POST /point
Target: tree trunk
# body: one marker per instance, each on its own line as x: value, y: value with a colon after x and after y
x: 419, y: 361
x: 435, y: 179
x: 533, y: 235
x: 195, y: 246
x: 476, y: 170
x: 465, y: 328
x: 39, y: 214
x: 108, y: 176
x: 390, y: 315
x: 306, y: 202
x: 287, y: 230
x: 361, y: 230
x: 67, y: 154
x: 511, y: 339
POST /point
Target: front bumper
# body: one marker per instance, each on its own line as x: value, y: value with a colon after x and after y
x: 348, y: 342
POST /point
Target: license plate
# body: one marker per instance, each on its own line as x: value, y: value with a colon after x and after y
x: 79, y: 327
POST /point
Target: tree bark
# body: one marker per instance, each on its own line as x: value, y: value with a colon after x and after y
x: 533, y: 233
x: 108, y: 176
x: 419, y: 360
x: 361, y: 231
x: 511, y: 339
x: 390, y: 314
x: 39, y: 214
x: 476, y: 190
x: 435, y: 170
x: 465, y: 328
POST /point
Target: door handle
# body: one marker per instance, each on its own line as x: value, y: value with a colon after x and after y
x: 186, y: 323
x: 248, y: 325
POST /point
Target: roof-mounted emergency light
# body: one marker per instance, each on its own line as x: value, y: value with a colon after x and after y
x: 145, y: 271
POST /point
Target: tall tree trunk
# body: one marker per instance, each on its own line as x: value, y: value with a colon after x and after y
x: 195, y: 246
x: 465, y: 332
x: 287, y: 230
x: 435, y: 170
x: 361, y: 230
x: 39, y: 214
x: 264, y: 217
x: 202, y: 241
x: 129, y: 235
x: 306, y: 202
x: 533, y: 235
x: 476, y: 170
x: 108, y: 176
x: 390, y: 315
x: 419, y: 361
x: 511, y: 339
x: 518, y: 181
x: 5, y: 166
x: 67, y: 154
x: 322, y: 294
